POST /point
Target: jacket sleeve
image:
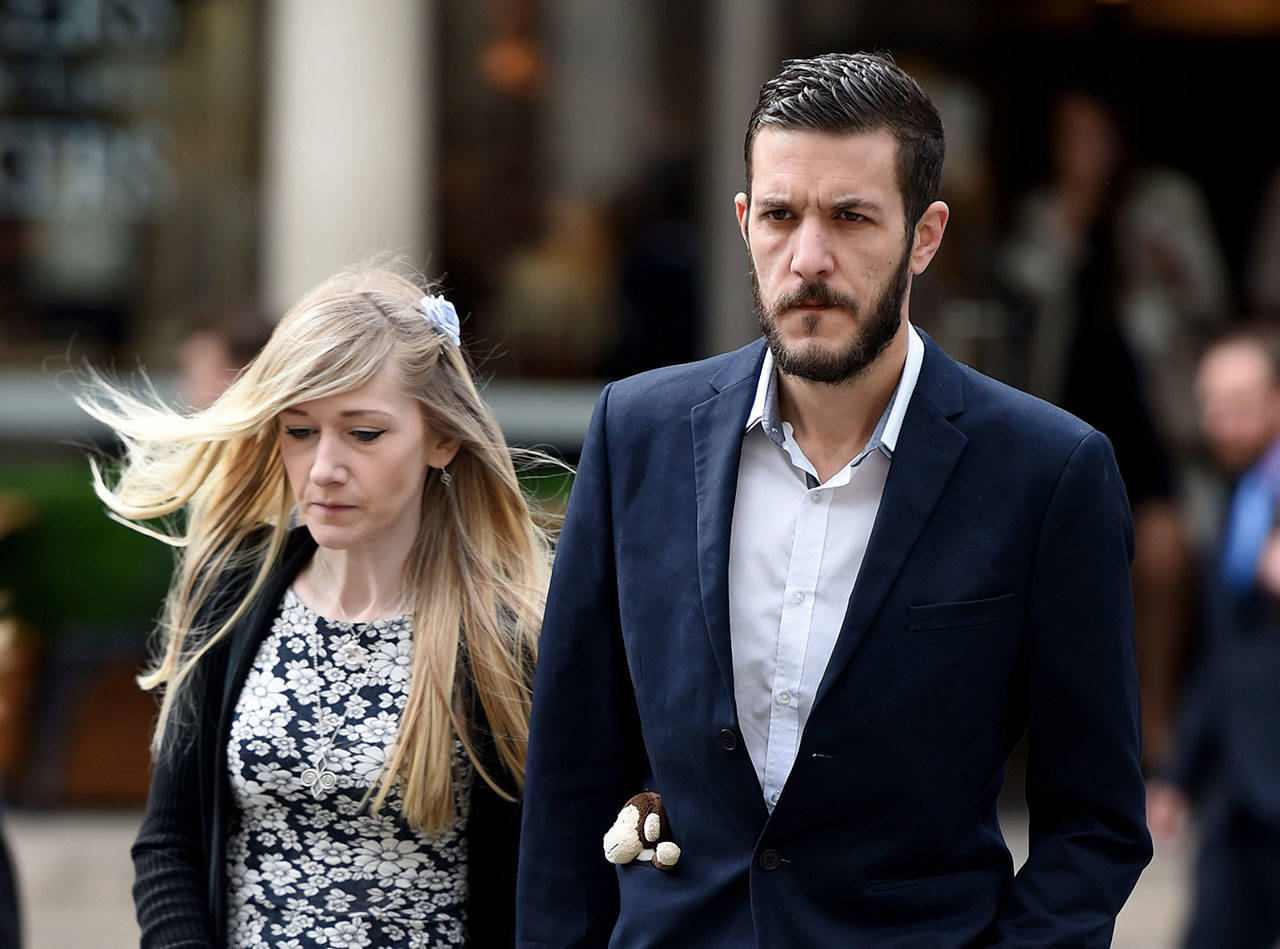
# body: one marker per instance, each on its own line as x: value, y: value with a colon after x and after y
x: 1085, y: 794
x: 170, y: 855
x: 171, y: 886
x: 585, y: 755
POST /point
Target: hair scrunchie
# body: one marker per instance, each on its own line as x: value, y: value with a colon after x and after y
x: 440, y: 313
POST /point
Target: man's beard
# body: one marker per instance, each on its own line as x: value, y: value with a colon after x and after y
x: 815, y: 364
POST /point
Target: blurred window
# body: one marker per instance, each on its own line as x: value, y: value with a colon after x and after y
x: 128, y: 170
x: 567, y: 138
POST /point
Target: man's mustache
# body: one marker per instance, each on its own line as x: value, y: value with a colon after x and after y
x: 814, y: 294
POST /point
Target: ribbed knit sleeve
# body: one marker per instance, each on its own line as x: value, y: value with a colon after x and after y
x: 493, y: 836
x: 173, y: 855
x: 170, y: 891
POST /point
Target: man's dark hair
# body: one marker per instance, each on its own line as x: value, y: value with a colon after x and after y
x: 859, y: 92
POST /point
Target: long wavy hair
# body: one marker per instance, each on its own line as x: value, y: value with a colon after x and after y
x: 212, y: 484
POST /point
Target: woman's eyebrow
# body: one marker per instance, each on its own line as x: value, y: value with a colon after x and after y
x: 345, y: 413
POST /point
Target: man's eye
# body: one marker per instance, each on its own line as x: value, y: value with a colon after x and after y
x: 851, y: 216
x: 367, y: 435
x: 297, y: 431
x: 776, y: 214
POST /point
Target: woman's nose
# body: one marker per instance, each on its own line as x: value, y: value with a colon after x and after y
x: 329, y: 465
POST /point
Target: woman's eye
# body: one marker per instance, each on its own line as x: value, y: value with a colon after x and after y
x: 367, y: 435
x: 297, y: 431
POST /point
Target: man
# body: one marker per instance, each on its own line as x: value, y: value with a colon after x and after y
x: 1229, y: 739
x: 813, y: 591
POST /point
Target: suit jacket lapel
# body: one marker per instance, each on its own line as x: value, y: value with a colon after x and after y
x: 928, y: 448
x: 718, y: 425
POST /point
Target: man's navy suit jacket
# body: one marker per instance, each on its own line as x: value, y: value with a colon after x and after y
x: 993, y: 599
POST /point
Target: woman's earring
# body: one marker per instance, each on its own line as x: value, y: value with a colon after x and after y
x: 445, y: 478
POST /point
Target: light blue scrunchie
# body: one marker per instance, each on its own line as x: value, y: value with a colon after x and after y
x: 441, y: 314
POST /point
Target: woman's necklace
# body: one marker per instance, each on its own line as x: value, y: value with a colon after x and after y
x: 319, y: 777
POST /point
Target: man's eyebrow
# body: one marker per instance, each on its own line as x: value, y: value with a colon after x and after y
x: 848, y: 203
x: 856, y: 203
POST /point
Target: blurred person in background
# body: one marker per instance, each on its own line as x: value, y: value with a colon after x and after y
x: 1262, y: 276
x: 342, y: 734
x: 1228, y: 747
x: 659, y: 291
x: 215, y: 348
x: 1118, y: 266
x: 1112, y: 243
x: 812, y: 593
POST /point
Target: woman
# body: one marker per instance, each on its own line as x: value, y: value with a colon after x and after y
x: 345, y: 704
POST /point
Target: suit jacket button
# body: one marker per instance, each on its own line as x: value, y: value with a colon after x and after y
x: 728, y: 740
x: 770, y: 859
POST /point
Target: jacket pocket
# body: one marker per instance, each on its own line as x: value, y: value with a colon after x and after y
x: 958, y: 615
x: 890, y: 884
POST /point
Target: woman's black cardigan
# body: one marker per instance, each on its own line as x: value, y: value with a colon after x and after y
x: 178, y: 857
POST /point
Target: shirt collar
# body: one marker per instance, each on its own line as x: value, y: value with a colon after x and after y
x: 764, y: 410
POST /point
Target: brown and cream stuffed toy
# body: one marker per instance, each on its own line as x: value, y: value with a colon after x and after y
x: 641, y: 832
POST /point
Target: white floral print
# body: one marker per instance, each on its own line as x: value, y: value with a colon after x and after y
x: 307, y: 871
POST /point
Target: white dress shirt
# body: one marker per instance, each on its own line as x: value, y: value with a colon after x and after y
x: 794, y: 554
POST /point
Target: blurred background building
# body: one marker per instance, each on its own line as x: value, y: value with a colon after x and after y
x: 173, y: 173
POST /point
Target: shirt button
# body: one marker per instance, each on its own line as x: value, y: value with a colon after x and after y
x: 728, y: 740
x: 774, y: 798
x: 817, y: 497
x: 797, y: 597
x: 769, y: 859
x: 784, y: 698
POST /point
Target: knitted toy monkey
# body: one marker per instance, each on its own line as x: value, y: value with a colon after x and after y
x: 641, y: 832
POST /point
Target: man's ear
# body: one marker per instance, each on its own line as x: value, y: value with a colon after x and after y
x: 928, y: 235
x: 742, y: 205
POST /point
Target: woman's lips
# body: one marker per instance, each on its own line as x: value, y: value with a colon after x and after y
x: 328, y: 508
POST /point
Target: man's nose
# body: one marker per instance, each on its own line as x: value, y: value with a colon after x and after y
x: 811, y: 257
x: 329, y: 464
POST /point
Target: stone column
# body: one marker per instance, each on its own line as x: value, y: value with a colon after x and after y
x: 744, y: 52
x: 348, y: 129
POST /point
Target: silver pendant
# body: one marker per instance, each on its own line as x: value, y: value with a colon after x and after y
x: 353, y: 656
x: 319, y: 779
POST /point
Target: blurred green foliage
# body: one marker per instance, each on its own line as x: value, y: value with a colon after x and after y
x: 70, y: 566
x: 548, y: 486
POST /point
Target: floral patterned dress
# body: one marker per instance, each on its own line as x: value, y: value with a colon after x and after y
x: 308, y: 866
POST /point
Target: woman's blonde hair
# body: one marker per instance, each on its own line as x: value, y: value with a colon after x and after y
x: 478, y: 570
